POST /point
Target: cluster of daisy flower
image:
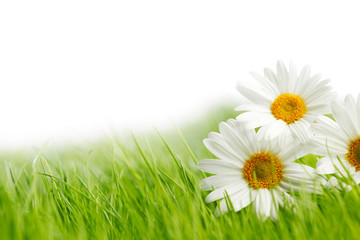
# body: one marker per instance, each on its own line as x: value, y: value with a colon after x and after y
x: 283, y: 119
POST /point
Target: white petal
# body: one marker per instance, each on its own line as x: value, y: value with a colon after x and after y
x: 255, y: 119
x: 324, y: 97
x: 282, y: 197
x: 325, y: 126
x: 356, y: 177
x: 239, y: 200
x: 269, y: 74
x: 218, y: 181
x: 283, y: 77
x: 237, y: 140
x: 325, y: 166
x: 257, y: 97
x: 292, y: 77
x: 215, y: 166
x: 229, y: 189
x: 317, y: 91
x: 310, y: 117
x: 329, y: 144
x: 309, y: 82
x: 216, y: 136
x: 358, y: 106
x: 343, y: 166
x: 248, y: 137
x: 351, y: 109
x: 299, y: 171
x: 302, y: 79
x: 276, y: 145
x: 249, y: 106
x: 263, y: 202
x: 342, y: 118
x: 276, y: 201
x: 266, y: 85
x: 242, y: 199
x: 224, y: 152
x: 318, y: 108
x: 300, y: 177
x: 289, y: 186
x: 223, y: 208
x: 301, y: 129
x: 272, y: 130
x: 294, y: 151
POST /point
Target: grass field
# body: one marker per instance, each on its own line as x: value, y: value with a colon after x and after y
x: 147, y: 187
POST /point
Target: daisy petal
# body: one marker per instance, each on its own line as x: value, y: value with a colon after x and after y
x: 301, y: 129
x: 218, y: 181
x: 253, y: 96
x: 249, y: 106
x: 236, y: 140
x: 215, y: 166
x: 268, y: 86
x: 343, y: 119
x: 299, y: 171
x: 224, y: 152
x: 269, y: 74
x: 242, y: 199
x: 325, y: 165
x: 351, y: 110
x: 283, y: 77
x: 304, y: 75
x: 255, y: 119
x: 304, y: 84
x: 300, y: 177
x: 295, y: 151
x: 272, y: 130
x: 325, y: 126
x: 238, y: 200
x: 223, y: 208
x: 263, y: 202
x: 221, y: 192
x: 246, y: 136
x: 325, y: 143
x: 292, y: 77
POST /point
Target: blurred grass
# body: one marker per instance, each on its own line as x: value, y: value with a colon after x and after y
x: 147, y: 187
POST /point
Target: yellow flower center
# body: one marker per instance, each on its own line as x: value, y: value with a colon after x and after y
x: 263, y: 170
x: 353, y: 156
x: 288, y: 107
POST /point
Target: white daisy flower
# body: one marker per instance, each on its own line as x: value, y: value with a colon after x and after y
x: 339, y: 141
x: 284, y: 102
x: 251, y: 171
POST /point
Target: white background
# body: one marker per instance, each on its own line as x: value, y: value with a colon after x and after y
x: 76, y: 69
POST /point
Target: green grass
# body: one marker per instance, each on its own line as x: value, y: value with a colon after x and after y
x: 147, y: 187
